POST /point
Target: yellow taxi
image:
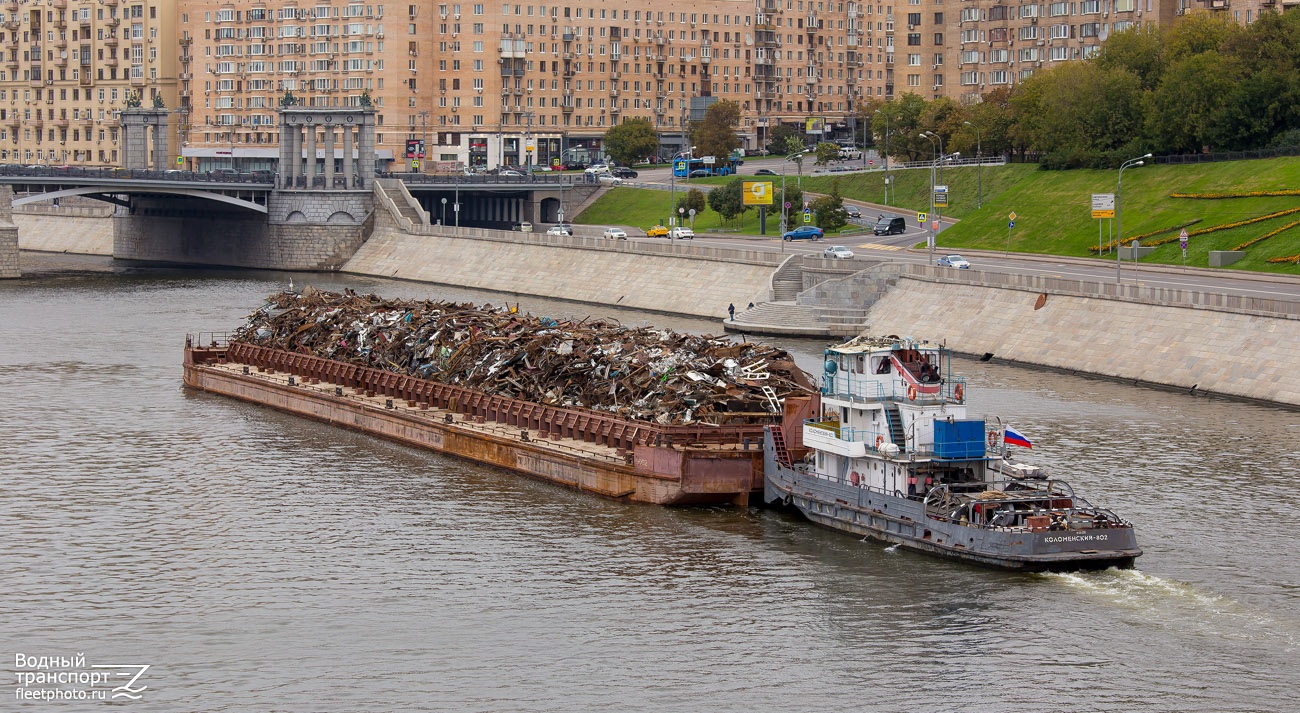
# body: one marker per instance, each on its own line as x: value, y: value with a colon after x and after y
x: 657, y: 231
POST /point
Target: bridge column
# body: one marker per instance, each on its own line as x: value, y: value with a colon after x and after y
x: 348, y: 169
x: 311, y: 155
x: 160, y: 144
x: 8, y: 235
x: 366, y: 149
x: 329, y: 155
x: 288, y: 154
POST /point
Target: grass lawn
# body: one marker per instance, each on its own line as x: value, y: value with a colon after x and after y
x: 641, y: 208
x: 1053, y: 208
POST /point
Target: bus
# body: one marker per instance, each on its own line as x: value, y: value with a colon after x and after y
x: 683, y: 166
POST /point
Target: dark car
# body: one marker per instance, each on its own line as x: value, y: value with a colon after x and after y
x: 806, y: 232
x: 622, y: 172
x: 853, y: 211
x: 766, y: 172
x: 890, y: 226
x: 701, y: 173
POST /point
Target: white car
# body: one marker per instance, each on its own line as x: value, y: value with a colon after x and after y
x: 953, y: 261
x: 615, y: 234
x: 597, y: 169
x: 837, y: 252
x: 681, y: 233
x: 609, y: 180
x: 559, y: 230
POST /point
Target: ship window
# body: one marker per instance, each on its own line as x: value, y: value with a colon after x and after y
x: 860, y: 366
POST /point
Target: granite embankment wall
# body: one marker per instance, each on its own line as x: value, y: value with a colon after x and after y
x: 680, y: 279
x: 79, y: 225
x: 1237, y: 352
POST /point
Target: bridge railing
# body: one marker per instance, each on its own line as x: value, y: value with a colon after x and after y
x: 480, y: 179
x: 115, y: 173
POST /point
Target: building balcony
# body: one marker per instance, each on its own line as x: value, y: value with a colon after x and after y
x: 61, y: 123
x: 111, y: 40
x: 113, y: 21
x: 110, y: 61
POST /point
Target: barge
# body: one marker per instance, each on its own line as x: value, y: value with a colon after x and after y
x: 593, y: 450
x: 892, y: 456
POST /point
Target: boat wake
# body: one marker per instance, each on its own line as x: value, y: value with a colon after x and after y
x: 1172, y: 600
x: 892, y: 549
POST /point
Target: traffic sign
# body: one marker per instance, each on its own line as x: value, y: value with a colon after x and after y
x: 807, y: 215
x: 941, y: 196
x: 1182, y: 238
x: 415, y: 164
x: 1011, y: 224
x: 871, y: 162
x: 787, y: 205
x: 920, y: 218
x: 1012, y: 216
x: 180, y: 161
x: 1103, y: 205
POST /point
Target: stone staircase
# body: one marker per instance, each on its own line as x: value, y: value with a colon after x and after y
x: 787, y: 281
x: 837, y: 307
x: 397, y: 193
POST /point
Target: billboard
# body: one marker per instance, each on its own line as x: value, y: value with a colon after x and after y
x: 756, y: 192
x: 415, y: 148
x: 815, y: 125
x: 1103, y: 205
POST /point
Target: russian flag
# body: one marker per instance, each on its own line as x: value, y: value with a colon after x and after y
x: 1015, y: 439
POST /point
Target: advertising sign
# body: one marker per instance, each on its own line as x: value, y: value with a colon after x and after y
x: 815, y: 125
x: 756, y: 192
x: 415, y: 148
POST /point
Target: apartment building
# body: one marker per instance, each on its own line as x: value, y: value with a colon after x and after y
x: 491, y: 83
x: 485, y: 84
x: 70, y: 65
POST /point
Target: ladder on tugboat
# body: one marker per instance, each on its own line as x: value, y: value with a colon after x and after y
x: 778, y: 446
x: 895, y: 421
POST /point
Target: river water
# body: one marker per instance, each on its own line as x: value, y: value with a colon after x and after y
x: 257, y: 561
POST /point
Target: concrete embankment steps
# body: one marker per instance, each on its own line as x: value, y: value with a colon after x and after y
x: 396, y: 191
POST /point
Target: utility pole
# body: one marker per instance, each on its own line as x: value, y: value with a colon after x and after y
x: 424, y: 134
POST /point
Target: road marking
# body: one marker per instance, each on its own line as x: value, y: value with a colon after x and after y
x: 876, y: 246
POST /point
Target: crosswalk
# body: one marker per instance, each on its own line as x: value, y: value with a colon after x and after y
x: 877, y: 246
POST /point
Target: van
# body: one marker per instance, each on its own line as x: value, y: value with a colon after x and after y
x: 890, y: 226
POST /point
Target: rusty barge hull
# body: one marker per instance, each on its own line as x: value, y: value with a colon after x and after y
x: 589, y: 451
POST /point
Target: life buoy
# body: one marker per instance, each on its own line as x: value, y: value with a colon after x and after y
x: 879, y: 440
x: 959, y: 392
x: 993, y: 438
x: 854, y: 478
x: 911, y: 392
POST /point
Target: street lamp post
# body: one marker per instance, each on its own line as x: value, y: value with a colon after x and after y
x: 1119, y: 212
x: 933, y: 165
x: 886, y: 114
x: 979, y: 161
x: 444, y: 211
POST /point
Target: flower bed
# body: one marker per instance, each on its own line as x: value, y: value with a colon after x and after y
x: 1267, y: 235
x: 1248, y: 194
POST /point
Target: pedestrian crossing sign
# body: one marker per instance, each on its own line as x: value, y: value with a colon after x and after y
x: 920, y: 218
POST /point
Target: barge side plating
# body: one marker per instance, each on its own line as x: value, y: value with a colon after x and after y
x: 592, y: 451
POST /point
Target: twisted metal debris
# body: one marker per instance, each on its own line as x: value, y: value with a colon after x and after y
x: 648, y: 374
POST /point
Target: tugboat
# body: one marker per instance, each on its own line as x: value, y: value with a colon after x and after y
x: 894, y: 457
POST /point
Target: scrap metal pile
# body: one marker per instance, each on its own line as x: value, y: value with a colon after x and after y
x: 638, y: 373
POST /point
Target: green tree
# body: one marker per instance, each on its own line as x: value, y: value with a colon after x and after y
x: 1181, y: 112
x: 1079, y: 113
x: 902, y: 117
x: 828, y: 210
x: 716, y: 135
x: 728, y: 200
x: 694, y: 199
x: 777, y: 139
x: 826, y: 152
x: 631, y: 141
x: 1139, y: 49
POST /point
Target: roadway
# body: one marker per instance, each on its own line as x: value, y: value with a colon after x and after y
x: 868, y: 247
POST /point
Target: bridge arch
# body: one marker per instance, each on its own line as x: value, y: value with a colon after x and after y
x: 169, y: 190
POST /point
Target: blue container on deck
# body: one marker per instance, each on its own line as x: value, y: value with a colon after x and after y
x: 959, y: 440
